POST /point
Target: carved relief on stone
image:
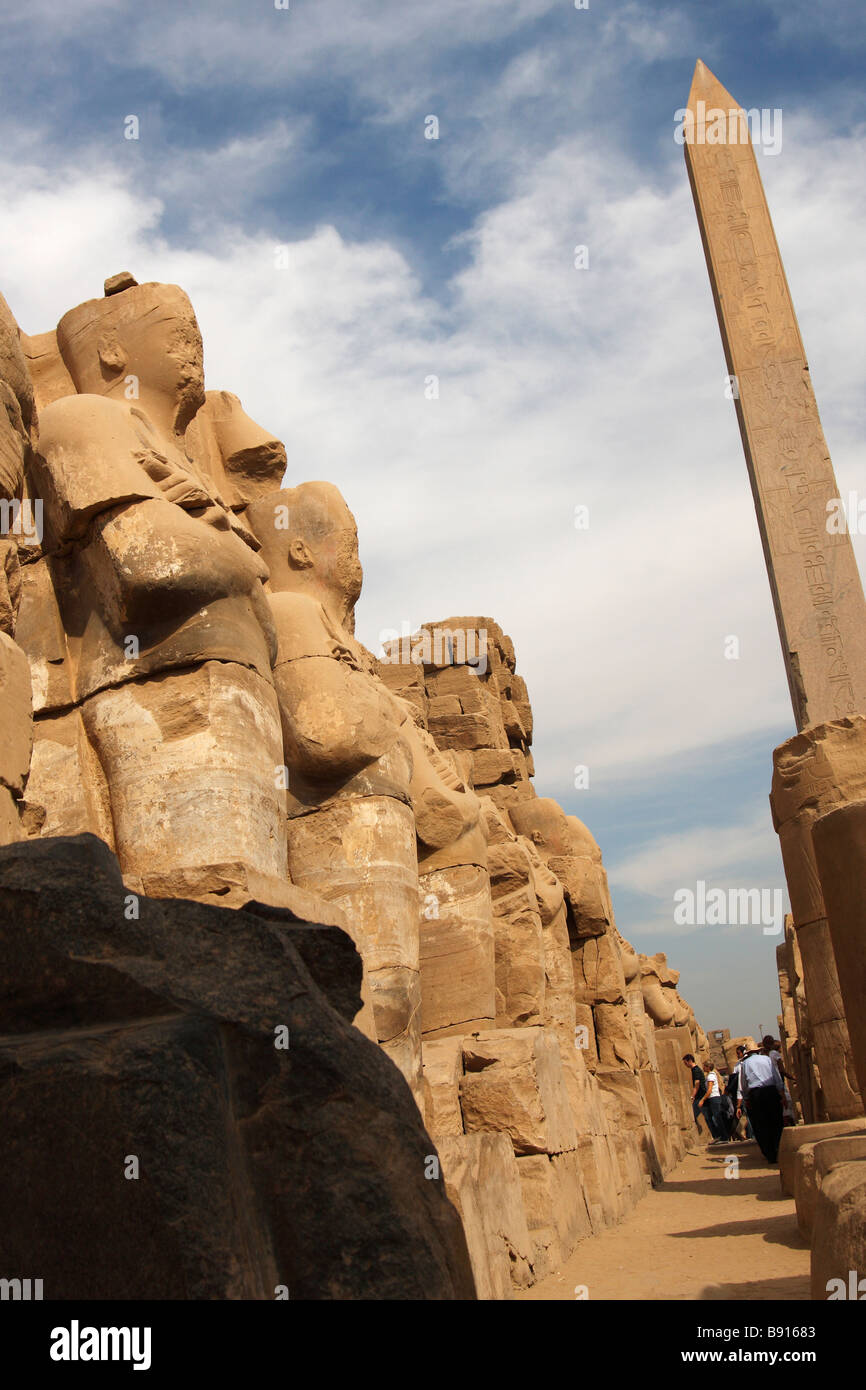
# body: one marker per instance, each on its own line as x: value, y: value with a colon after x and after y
x: 18, y: 429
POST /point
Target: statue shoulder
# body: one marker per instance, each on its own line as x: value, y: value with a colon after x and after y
x: 89, y: 460
x: 82, y: 419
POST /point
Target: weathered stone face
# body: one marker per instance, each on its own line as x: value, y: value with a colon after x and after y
x: 148, y: 332
x: 544, y: 822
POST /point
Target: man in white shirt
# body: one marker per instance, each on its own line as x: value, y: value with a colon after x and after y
x: 712, y: 1101
x: 761, y: 1093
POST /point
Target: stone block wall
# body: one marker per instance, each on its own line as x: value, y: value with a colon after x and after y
x: 570, y: 1069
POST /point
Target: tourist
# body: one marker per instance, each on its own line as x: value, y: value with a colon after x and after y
x: 761, y: 1094
x: 699, y: 1091
x: 741, y: 1129
x: 773, y: 1050
x: 713, y: 1103
x: 729, y: 1105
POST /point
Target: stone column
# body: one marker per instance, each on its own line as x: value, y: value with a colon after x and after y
x: 839, y: 840
x: 820, y: 769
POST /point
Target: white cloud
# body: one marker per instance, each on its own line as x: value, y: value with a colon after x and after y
x: 557, y: 387
x: 191, y: 49
x: 220, y: 183
x: 841, y: 23
x: 723, y: 856
x: 654, y: 883
x: 655, y: 35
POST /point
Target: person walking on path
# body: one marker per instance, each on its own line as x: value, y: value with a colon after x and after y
x: 740, y: 1127
x: 732, y: 1087
x: 773, y: 1051
x: 761, y: 1092
x: 699, y: 1091
x: 713, y: 1103
x: 728, y: 1106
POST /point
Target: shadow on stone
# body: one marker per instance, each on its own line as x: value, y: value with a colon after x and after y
x: 160, y: 1142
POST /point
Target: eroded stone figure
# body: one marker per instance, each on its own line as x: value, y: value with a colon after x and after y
x: 17, y: 431
x: 571, y: 853
x: 365, y: 789
x: 170, y: 709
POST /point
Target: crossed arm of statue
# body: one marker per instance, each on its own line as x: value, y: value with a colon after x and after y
x: 157, y: 543
x: 338, y: 718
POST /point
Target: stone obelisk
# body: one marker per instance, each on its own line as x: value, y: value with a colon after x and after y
x: 815, y: 583
x: 814, y: 579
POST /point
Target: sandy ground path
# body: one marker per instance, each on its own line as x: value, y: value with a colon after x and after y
x: 701, y: 1235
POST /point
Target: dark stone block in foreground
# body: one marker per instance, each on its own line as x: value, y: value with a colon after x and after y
x: 154, y: 1040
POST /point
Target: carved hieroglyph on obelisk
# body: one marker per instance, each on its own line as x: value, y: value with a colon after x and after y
x: 814, y: 579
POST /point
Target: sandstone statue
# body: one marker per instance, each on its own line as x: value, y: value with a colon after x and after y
x: 365, y: 791
x: 159, y: 590
x: 18, y: 429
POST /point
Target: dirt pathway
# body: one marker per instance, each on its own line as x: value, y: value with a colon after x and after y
x: 700, y: 1235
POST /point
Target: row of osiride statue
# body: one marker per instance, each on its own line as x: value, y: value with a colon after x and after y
x: 200, y: 700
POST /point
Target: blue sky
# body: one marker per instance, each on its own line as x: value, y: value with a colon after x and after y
x: 559, y: 387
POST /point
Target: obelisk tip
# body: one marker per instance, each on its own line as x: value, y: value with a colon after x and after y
x: 707, y: 88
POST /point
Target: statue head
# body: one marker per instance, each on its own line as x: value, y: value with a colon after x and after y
x: 245, y: 461
x: 142, y: 345
x: 549, y: 893
x: 543, y: 821
x: 583, y: 842
x: 631, y: 965
x: 309, y: 543
x: 17, y: 409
